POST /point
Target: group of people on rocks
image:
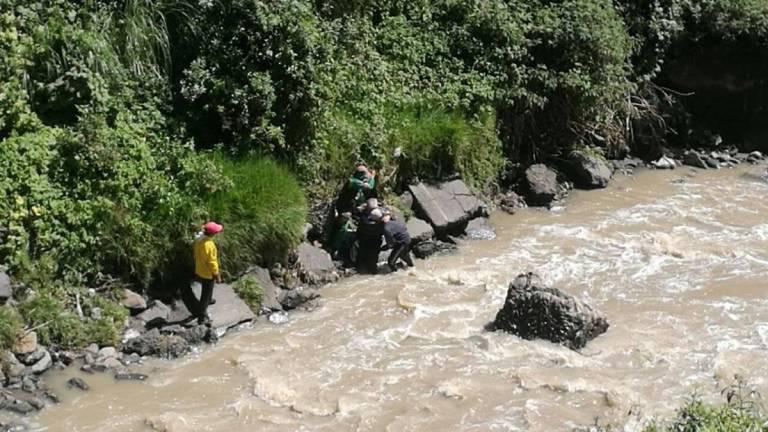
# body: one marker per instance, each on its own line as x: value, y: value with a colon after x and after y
x: 360, y: 224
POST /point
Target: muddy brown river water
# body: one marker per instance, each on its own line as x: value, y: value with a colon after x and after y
x: 678, y: 261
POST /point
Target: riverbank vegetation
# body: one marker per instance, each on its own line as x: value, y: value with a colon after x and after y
x: 125, y: 124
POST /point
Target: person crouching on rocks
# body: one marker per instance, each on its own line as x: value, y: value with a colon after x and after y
x: 398, y: 239
x: 206, y: 268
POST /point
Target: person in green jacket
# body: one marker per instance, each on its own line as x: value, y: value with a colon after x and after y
x: 360, y: 187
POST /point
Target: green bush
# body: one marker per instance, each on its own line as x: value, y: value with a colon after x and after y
x: 263, y: 213
x: 250, y: 291
x: 10, y: 327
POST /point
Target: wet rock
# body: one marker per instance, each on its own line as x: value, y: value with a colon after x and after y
x: 315, y: 265
x: 103, y: 364
x: 28, y: 384
x: 155, y: 343
x: 78, y: 383
x: 18, y: 406
x: 26, y: 345
x: 753, y: 157
x: 694, y: 159
x: 43, y: 364
x: 433, y: 247
x: 6, y: 289
x: 480, y: 229
x: 510, y: 202
x: 591, y: 171
x: 447, y: 206
x: 269, y: 289
x: 108, y: 352
x: 534, y: 311
x: 228, y: 311
x: 134, y: 302
x: 406, y: 200
x: 197, y: 334
x: 541, y: 186
x: 664, y: 163
x: 627, y: 164
x: 298, y: 298
x: 87, y: 369
x: 12, y: 367
x: 158, y: 312
x: 419, y: 230
x: 92, y: 349
x: 130, y: 334
x: 66, y: 357
x: 710, y: 161
x: 126, y: 376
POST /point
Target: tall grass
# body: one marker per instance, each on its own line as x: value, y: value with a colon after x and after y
x: 10, y: 327
x: 263, y: 213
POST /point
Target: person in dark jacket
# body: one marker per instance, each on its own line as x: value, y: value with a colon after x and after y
x: 398, y: 239
x: 369, y: 232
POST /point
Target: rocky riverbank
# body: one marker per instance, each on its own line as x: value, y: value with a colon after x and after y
x: 443, y: 216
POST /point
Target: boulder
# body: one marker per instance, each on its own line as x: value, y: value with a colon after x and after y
x: 419, y: 230
x: 541, y: 186
x: 78, y: 383
x: 155, y: 343
x: 480, y: 229
x: 12, y: 367
x: 43, y: 364
x: 315, y: 264
x: 710, y: 161
x: 510, y: 202
x: 228, y: 311
x: 534, y: 311
x: 269, y: 289
x: 158, y: 312
x: 31, y: 358
x: 134, y: 302
x: 433, y: 247
x: 447, y: 206
x: 627, y: 164
x: 296, y: 298
x: 664, y: 163
x: 590, y: 170
x: 694, y: 159
x: 6, y: 289
x: 755, y: 157
x: 26, y: 345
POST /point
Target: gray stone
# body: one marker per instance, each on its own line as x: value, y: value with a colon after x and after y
x: 433, y: 247
x: 510, y: 202
x: 134, y: 302
x: 229, y: 310
x: 664, y: 163
x: 18, y: 406
x: 154, y: 343
x: 710, y: 161
x: 6, y: 289
x: 107, y: 352
x: 419, y: 230
x: 755, y: 157
x: 447, y: 206
x: 33, y: 357
x: 269, y: 289
x: 43, y: 364
x: 125, y: 376
x: 480, y: 229
x: 541, y: 186
x: 78, y: 383
x: 298, y: 298
x: 406, y: 199
x: 694, y: 159
x: 534, y: 311
x: 92, y: 349
x: 11, y: 365
x: 315, y: 264
x: 28, y: 384
x: 108, y: 363
x: 157, y: 312
x: 591, y: 171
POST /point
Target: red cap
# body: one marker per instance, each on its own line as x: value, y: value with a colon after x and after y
x: 212, y: 228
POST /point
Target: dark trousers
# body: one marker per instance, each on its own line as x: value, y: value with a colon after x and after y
x: 199, y: 308
x: 400, y: 251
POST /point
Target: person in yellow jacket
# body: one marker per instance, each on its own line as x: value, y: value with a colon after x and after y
x: 206, y: 268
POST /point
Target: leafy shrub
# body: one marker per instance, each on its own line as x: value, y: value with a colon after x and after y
x: 250, y: 291
x: 263, y: 213
x: 10, y: 327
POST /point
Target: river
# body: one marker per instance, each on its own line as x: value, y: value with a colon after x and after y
x: 677, y: 260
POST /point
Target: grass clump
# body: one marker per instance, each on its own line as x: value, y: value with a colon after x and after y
x: 263, y: 212
x: 10, y: 327
x: 250, y: 291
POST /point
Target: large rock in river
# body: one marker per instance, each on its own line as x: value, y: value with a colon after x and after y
x: 447, y: 206
x: 270, y: 292
x: 315, y: 264
x: 534, y: 311
x: 541, y: 185
x: 419, y: 230
x: 590, y: 171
